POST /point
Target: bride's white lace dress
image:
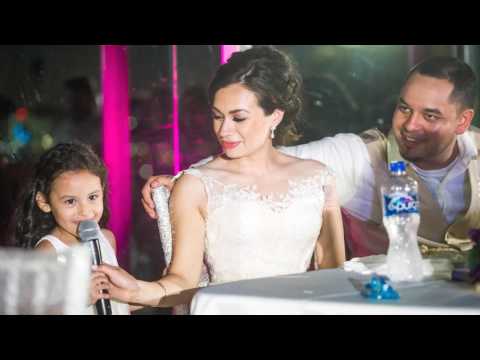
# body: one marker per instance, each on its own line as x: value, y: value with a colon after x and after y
x: 253, y: 232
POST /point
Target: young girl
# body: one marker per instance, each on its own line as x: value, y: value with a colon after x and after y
x: 68, y: 187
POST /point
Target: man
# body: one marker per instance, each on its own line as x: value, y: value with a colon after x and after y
x: 431, y: 132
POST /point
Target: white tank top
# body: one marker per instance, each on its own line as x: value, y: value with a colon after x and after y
x: 108, y: 257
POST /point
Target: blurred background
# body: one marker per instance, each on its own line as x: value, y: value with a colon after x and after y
x: 55, y: 93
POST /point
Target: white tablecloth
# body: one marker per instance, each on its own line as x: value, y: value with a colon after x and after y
x: 332, y: 292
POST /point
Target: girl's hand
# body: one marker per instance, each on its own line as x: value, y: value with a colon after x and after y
x: 98, y: 283
x: 122, y: 285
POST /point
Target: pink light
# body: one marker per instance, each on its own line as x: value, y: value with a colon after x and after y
x: 226, y: 52
x: 116, y: 143
x: 176, y: 129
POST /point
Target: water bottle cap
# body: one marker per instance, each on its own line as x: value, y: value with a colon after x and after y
x: 397, y: 166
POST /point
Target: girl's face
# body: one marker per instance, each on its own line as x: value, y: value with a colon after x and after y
x: 239, y: 122
x: 75, y: 196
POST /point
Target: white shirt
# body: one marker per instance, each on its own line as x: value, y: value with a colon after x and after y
x: 347, y: 155
x: 449, y: 195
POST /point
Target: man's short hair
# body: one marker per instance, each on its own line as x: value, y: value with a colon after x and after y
x: 456, y: 72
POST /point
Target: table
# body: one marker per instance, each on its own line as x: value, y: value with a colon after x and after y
x: 332, y: 292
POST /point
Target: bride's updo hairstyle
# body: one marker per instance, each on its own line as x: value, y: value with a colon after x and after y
x: 271, y: 75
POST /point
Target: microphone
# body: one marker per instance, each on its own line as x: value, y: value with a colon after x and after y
x: 89, y: 233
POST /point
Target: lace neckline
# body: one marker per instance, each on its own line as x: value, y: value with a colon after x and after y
x: 300, y: 187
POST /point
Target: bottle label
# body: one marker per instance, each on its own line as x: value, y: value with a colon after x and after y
x: 400, y: 203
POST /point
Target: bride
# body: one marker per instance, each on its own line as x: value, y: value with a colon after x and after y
x: 252, y: 211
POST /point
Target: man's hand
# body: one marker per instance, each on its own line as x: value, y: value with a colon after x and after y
x: 152, y: 183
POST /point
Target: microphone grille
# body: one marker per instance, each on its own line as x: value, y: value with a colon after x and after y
x: 88, y: 230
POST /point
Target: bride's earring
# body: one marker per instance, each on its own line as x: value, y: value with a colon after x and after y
x: 272, y: 133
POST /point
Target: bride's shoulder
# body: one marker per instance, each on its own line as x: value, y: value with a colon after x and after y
x: 218, y: 168
x: 201, y: 169
x: 188, y: 189
x: 206, y: 174
x: 188, y: 180
x: 306, y: 167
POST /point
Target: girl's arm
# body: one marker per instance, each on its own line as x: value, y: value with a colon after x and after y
x: 187, y: 209
x: 111, y: 239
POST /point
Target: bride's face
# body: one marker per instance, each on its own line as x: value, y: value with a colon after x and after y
x: 240, y: 124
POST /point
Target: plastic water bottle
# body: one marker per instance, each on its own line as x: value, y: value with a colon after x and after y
x: 401, y: 219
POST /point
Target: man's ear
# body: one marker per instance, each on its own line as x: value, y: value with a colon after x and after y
x: 42, y: 202
x: 464, y: 121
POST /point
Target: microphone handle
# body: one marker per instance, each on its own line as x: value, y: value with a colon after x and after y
x: 103, y: 306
